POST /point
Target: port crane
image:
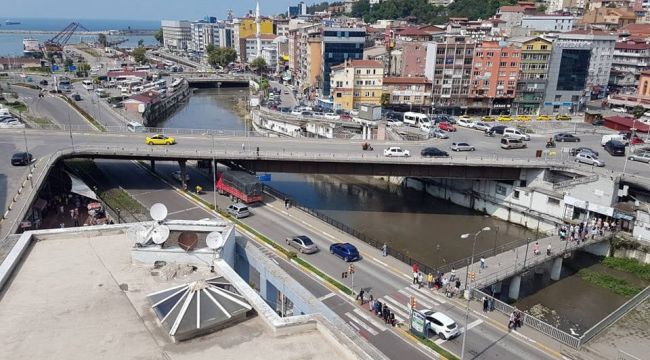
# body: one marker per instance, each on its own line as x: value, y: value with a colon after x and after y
x: 56, y: 44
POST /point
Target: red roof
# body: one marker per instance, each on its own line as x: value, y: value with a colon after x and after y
x: 631, y: 46
x: 146, y: 98
x: 628, y: 122
x: 366, y: 64
x: 405, y: 80
x: 511, y: 9
x: 413, y: 32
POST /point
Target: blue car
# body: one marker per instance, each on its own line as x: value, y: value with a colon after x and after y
x: 345, y: 251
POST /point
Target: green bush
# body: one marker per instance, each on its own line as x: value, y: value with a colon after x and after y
x: 612, y: 283
x: 632, y: 266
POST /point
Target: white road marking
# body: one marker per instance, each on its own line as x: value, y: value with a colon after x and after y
x: 369, y: 318
x: 354, y: 326
x: 396, y: 307
x: 275, y: 261
x: 474, y: 323
x: 440, y: 341
x: 430, y: 294
x: 184, y: 210
x: 420, y: 299
x: 326, y: 296
x: 328, y: 235
x: 362, y: 324
x: 381, y: 262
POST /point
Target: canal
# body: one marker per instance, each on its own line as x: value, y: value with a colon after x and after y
x: 418, y: 225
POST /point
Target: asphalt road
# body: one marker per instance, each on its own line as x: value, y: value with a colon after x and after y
x: 486, y: 341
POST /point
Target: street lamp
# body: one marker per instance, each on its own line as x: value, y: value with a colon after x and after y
x: 468, y: 294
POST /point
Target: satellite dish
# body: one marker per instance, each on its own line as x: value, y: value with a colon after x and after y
x: 158, y: 212
x: 137, y: 234
x: 214, y: 240
x: 160, y: 234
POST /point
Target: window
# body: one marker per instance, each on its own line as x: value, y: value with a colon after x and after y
x: 407, y: 98
x: 490, y: 53
x: 544, y: 47
x: 515, y: 194
x: 553, y: 201
x: 529, y: 47
x: 501, y: 190
x: 503, y: 64
x: 504, y: 54
x: 338, y: 95
x: 513, y: 64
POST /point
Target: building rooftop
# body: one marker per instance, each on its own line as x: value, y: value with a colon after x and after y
x: 405, y: 80
x: 630, y: 45
x: 79, y: 295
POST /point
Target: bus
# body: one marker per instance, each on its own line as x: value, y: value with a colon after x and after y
x: 88, y: 84
x: 143, y: 68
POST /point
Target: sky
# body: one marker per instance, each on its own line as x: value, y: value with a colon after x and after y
x: 139, y: 9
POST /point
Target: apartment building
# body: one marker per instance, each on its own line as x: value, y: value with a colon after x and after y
x: 249, y: 46
x: 244, y: 28
x: 305, y: 55
x: 176, y: 34
x: 531, y: 86
x: 204, y: 33
x: 579, y: 70
x: 548, y: 22
x: 449, y: 67
x: 339, y: 45
x: 630, y: 59
x: 356, y: 82
x: 407, y: 93
x: 495, y: 72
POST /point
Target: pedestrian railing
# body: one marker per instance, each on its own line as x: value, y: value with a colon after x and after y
x: 622, y: 355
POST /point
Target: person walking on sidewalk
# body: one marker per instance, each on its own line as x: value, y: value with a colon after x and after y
x: 430, y: 280
x: 536, y: 250
x: 548, y: 250
x: 416, y: 270
x: 384, y: 250
x: 485, y: 304
x: 482, y: 263
x: 420, y: 280
x: 360, y: 296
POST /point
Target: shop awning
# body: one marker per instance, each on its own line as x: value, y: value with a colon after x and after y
x: 80, y: 188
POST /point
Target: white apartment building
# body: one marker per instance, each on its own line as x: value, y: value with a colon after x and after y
x: 551, y: 23
x: 176, y: 34
x: 251, y: 46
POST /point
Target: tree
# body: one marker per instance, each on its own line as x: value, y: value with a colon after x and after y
x: 159, y: 36
x: 638, y: 111
x: 83, y: 69
x: 68, y: 62
x: 140, y: 43
x: 259, y: 64
x: 210, y: 48
x: 140, y: 55
x: 221, y: 56
x: 101, y: 39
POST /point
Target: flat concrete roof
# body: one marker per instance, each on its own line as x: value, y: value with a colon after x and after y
x: 81, y: 297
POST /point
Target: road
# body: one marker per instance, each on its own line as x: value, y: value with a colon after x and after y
x: 286, y: 97
x: 486, y: 342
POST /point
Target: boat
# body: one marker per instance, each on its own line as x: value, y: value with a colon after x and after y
x: 12, y: 22
x: 31, y: 46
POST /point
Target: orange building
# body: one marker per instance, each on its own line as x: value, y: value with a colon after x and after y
x: 495, y: 71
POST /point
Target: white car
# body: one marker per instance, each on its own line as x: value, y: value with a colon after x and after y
x: 481, y: 126
x: 441, y: 324
x: 394, y: 122
x: 619, y: 110
x: 12, y: 124
x: 464, y: 122
x: 462, y: 146
x: 589, y: 159
x: 396, y: 151
x: 331, y: 116
x: 177, y: 176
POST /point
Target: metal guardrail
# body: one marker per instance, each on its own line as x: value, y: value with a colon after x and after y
x: 577, y: 181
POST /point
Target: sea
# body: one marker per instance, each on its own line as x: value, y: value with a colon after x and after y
x: 12, y: 44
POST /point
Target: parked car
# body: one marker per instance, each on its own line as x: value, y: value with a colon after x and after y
x: 446, y: 126
x: 598, y: 122
x: 508, y: 143
x: 159, y: 140
x: 21, y: 158
x: 239, y: 210
x: 345, y: 251
x: 523, y: 117
x: 589, y: 159
x: 43, y: 82
x: 481, y: 126
x: 463, y: 146
x: 76, y: 97
x: 641, y: 157
x: 562, y: 117
x: 615, y: 148
x: 177, y: 176
x: 433, y: 152
x: 566, y: 137
x: 487, y: 118
x: 441, y: 324
x: 440, y: 134
x: 12, y: 124
x: 303, y: 244
x: 618, y: 137
x: 504, y: 118
x: 465, y: 123
x: 393, y: 122
x: 515, y: 134
x: 543, y: 118
x: 578, y: 150
x: 619, y: 110
x: 396, y: 151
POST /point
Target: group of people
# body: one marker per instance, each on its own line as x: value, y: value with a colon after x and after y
x: 516, y: 320
x: 382, y: 311
x: 584, y: 230
x: 537, y: 251
x: 451, y: 284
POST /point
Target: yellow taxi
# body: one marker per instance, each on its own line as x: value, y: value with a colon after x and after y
x: 523, y: 118
x: 562, y: 117
x: 543, y: 118
x: 504, y: 118
x: 487, y: 118
x: 160, y: 140
x: 465, y: 117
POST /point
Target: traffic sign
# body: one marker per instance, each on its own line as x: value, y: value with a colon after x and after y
x: 264, y: 177
x: 55, y: 67
x: 72, y: 68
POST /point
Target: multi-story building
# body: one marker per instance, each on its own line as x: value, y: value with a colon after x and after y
x: 606, y: 18
x: 531, y: 86
x: 356, y: 82
x: 340, y: 44
x: 495, y: 72
x: 548, y: 23
x: 305, y: 56
x: 281, y: 27
x: 630, y: 59
x: 407, y: 93
x: 249, y: 44
x: 244, y: 28
x: 414, y: 56
x: 205, y: 33
x: 449, y: 67
x: 176, y: 34
x: 579, y: 69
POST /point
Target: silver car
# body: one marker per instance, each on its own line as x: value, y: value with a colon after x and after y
x: 440, y: 134
x: 463, y: 146
x: 589, y: 159
x: 303, y: 244
x: 642, y: 157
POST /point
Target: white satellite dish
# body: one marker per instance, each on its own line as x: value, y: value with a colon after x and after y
x: 137, y: 234
x: 158, y: 212
x: 214, y: 240
x: 160, y: 234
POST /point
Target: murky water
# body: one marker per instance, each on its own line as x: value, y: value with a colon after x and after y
x: 208, y: 109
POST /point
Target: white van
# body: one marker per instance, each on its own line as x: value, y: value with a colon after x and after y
x: 513, y: 133
x: 135, y: 127
x: 418, y: 120
x: 618, y: 137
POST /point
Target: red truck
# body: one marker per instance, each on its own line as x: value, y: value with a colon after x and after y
x: 241, y: 185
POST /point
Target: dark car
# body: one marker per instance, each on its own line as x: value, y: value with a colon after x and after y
x: 43, y: 82
x: 566, y: 137
x: 345, y: 251
x: 582, y: 149
x: 433, y: 152
x: 598, y: 122
x: 496, y: 130
x: 21, y: 158
x: 615, y: 148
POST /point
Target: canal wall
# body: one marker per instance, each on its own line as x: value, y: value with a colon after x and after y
x: 155, y: 113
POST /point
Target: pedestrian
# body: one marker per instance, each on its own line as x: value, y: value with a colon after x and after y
x: 420, y: 280
x: 286, y: 204
x: 71, y: 214
x: 457, y: 284
x: 258, y: 151
x: 415, y: 278
x: 485, y: 304
x: 384, y: 250
x: 62, y: 225
x: 594, y: 232
x: 243, y: 147
x: 548, y: 250
x: 482, y: 263
x: 360, y: 296
x: 371, y: 302
x: 430, y: 280
x: 511, y: 320
x: 536, y: 248
x: 490, y: 303
x: 416, y: 267
x: 386, y: 314
x: 61, y: 209
x: 453, y: 274
x: 392, y: 318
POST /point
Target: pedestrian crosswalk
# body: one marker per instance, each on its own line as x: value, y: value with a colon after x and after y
x: 365, y: 321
